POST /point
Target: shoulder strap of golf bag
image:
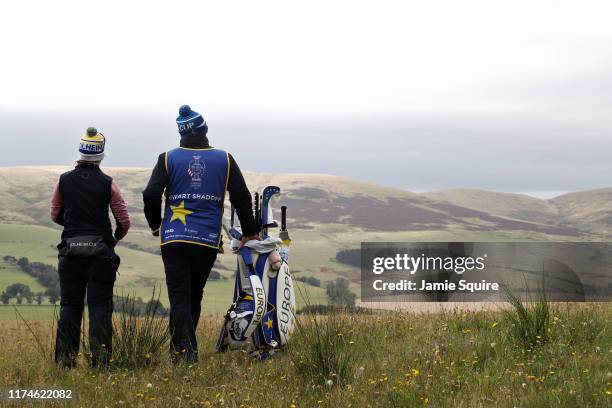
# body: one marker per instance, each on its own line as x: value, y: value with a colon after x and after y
x: 247, y: 311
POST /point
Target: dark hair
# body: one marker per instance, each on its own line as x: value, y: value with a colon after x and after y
x: 96, y: 162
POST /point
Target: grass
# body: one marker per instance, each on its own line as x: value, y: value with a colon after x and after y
x: 217, y: 298
x: 323, y: 349
x: 30, y: 312
x: 467, y: 359
x: 10, y: 274
x: 529, y: 322
x: 139, y: 341
x: 139, y: 272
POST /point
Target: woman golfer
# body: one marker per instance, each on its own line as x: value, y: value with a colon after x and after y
x: 87, y: 259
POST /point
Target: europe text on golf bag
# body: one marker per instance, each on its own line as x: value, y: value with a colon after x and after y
x: 262, y: 312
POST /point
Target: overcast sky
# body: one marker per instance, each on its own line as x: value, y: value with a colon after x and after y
x: 501, y: 95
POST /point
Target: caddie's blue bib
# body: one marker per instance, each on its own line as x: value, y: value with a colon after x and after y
x: 194, y: 196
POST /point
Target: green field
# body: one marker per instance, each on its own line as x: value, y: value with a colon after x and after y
x: 10, y: 274
x: 28, y: 312
x: 140, y: 272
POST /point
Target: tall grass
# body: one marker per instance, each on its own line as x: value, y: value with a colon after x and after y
x: 42, y: 349
x: 139, y: 340
x: 322, y: 349
x: 140, y: 336
x: 461, y: 359
x: 530, y: 321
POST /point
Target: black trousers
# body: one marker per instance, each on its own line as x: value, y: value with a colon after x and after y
x: 187, y: 268
x: 96, y: 277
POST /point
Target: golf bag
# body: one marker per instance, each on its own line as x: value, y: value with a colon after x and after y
x: 262, y: 311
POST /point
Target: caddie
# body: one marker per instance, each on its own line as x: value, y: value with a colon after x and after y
x: 194, y: 178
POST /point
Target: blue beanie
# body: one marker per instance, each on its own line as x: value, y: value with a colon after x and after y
x: 189, y: 120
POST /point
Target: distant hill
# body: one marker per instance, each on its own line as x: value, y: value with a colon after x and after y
x: 319, y: 201
x: 327, y: 215
x: 589, y: 210
x: 515, y: 206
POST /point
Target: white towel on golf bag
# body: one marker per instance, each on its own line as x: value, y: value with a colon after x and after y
x: 261, y: 247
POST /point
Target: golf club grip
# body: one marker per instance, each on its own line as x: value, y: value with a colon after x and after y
x: 284, y: 218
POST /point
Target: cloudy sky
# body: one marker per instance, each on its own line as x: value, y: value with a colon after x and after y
x: 503, y: 95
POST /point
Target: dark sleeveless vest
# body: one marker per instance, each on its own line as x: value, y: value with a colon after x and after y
x: 86, y: 195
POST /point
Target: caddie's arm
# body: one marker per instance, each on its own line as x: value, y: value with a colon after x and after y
x: 241, y: 199
x: 152, y: 195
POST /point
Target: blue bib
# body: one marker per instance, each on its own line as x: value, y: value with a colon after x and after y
x: 195, y: 195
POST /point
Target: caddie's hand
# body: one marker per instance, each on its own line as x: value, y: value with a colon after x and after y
x: 155, y: 233
x: 244, y: 240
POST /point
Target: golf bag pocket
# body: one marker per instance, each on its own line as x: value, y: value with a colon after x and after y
x: 284, y: 304
x: 243, y: 316
x: 277, y: 324
x: 84, y: 246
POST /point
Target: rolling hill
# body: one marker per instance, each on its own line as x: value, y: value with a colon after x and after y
x: 326, y: 214
x: 590, y: 210
x: 319, y: 200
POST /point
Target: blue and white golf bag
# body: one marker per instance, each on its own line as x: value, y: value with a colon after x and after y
x: 262, y: 312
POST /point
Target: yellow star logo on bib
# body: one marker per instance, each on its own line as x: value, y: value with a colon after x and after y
x: 269, y: 323
x: 179, y: 212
